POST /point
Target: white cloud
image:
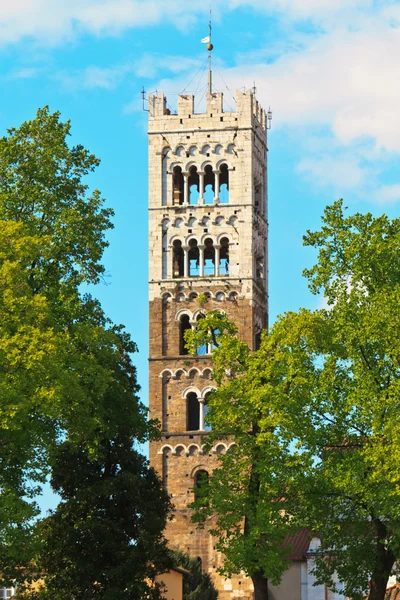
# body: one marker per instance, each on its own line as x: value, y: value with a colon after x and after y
x: 387, y: 194
x: 340, y: 172
x: 93, y: 77
x: 150, y: 65
x: 25, y: 73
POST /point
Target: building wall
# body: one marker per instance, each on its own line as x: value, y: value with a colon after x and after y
x: 186, y: 144
x: 290, y: 587
x: 173, y: 582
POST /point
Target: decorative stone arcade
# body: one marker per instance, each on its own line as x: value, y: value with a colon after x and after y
x: 208, y: 235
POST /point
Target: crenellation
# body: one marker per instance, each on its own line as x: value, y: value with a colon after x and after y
x: 248, y: 114
x: 185, y: 105
x: 214, y: 103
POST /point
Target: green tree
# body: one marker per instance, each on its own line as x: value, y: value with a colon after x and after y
x: 42, y: 184
x: 105, y: 538
x: 66, y: 372
x: 247, y: 493
x: 314, y: 416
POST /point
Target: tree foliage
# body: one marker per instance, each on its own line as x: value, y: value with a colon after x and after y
x: 66, y: 373
x: 314, y: 414
x: 105, y: 537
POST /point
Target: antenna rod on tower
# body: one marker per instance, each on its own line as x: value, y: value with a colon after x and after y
x: 209, y: 48
x: 207, y: 40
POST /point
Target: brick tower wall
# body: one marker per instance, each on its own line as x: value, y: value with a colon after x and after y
x: 205, y: 142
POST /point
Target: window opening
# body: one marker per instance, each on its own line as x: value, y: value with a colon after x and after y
x: 7, y: 592
x: 209, y: 185
x: 257, y: 195
x: 260, y: 267
x: 201, y: 350
x: 224, y: 184
x: 224, y: 257
x: 165, y: 468
x: 194, y: 259
x: 194, y: 186
x: 178, y: 259
x: 201, y: 481
x: 177, y: 186
x: 193, y: 412
x: 184, y: 326
x: 209, y: 257
x: 216, y: 333
x: 207, y: 427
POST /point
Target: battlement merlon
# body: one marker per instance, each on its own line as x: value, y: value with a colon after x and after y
x: 248, y: 113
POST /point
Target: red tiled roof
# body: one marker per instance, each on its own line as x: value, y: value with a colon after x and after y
x: 299, y: 544
x: 393, y: 593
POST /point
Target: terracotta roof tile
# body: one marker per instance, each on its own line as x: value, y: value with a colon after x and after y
x: 299, y: 544
x: 393, y: 593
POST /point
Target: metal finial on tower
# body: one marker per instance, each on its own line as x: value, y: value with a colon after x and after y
x: 207, y: 40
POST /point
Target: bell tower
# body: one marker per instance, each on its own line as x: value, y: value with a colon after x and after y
x: 208, y: 250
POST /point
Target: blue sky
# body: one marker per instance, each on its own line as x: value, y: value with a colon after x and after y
x: 329, y: 69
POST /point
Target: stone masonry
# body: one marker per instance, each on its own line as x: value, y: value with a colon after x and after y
x: 208, y: 238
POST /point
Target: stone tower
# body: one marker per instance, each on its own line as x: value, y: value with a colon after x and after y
x: 208, y: 237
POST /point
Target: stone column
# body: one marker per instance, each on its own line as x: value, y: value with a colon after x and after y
x: 201, y: 187
x: 186, y: 188
x: 201, y: 408
x: 201, y: 259
x: 186, y: 261
x: 216, y: 185
x: 217, y: 248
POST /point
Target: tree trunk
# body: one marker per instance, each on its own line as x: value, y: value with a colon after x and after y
x: 384, y: 564
x: 378, y: 586
x: 260, y: 584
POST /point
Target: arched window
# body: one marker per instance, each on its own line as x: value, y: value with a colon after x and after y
x: 194, y: 182
x: 193, y: 412
x: 177, y: 186
x: 224, y: 184
x: 224, y: 257
x: 209, y: 257
x: 194, y: 254
x: 201, y: 482
x: 184, y: 325
x: 178, y: 259
x: 209, y: 185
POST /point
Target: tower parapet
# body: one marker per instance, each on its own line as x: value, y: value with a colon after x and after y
x: 248, y: 111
